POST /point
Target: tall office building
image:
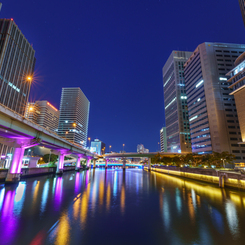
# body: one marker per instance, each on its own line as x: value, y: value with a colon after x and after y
x: 74, y: 115
x: 237, y: 83
x: 17, y: 63
x: 175, y: 100
x: 242, y: 7
x: 212, y: 112
x: 98, y: 146
x: 163, y: 139
x: 44, y: 114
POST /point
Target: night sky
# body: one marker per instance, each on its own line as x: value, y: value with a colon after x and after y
x: 114, y: 51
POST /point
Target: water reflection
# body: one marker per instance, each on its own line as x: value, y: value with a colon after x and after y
x: 83, y: 207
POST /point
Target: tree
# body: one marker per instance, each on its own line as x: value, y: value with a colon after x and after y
x: 53, y: 158
x: 176, y: 160
x: 166, y: 160
x: 156, y: 158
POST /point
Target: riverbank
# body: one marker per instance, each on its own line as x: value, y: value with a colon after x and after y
x: 218, y: 177
x: 32, y: 172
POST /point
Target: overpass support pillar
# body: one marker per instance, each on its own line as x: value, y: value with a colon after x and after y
x: 60, y: 164
x: 14, y: 171
x: 88, y: 162
x: 94, y: 165
x: 78, y: 164
x: 124, y: 164
x: 149, y: 164
x: 106, y: 163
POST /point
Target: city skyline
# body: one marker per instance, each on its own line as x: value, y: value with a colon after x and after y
x: 118, y: 116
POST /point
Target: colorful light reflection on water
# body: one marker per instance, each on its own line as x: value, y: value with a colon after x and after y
x: 112, y: 207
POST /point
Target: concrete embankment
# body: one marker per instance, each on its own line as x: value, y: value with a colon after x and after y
x: 218, y: 177
x: 32, y: 172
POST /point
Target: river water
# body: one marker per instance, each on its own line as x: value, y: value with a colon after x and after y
x: 112, y: 207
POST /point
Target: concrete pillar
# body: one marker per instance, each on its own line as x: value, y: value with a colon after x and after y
x: 106, y: 163
x: 94, y: 165
x: 78, y: 165
x: 124, y: 163
x: 60, y: 165
x: 15, y: 166
x: 89, y: 163
x: 221, y: 181
x: 149, y: 164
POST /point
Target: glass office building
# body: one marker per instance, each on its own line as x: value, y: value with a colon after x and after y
x: 74, y: 115
x: 212, y: 111
x: 17, y: 64
x: 175, y: 100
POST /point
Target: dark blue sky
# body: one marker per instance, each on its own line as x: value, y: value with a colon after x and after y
x: 114, y: 51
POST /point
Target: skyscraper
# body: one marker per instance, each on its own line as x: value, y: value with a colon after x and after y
x: 175, y: 100
x: 237, y: 81
x: 163, y: 139
x: 212, y: 112
x: 242, y: 7
x: 17, y: 64
x: 44, y: 114
x: 74, y: 115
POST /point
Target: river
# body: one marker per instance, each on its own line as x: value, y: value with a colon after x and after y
x: 116, y: 207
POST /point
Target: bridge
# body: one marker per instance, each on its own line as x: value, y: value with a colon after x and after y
x: 21, y: 133
x: 148, y: 155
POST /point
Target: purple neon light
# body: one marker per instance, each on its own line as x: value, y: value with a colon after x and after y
x: 17, y: 161
x: 61, y: 161
x: 78, y: 162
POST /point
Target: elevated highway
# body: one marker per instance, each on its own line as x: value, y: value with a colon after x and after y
x: 20, y: 133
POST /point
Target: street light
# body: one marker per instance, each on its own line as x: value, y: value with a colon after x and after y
x: 89, y: 141
x: 110, y: 148
x: 29, y: 79
x: 223, y: 159
x: 123, y: 147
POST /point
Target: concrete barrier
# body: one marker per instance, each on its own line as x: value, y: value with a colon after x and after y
x: 218, y: 177
x: 32, y: 172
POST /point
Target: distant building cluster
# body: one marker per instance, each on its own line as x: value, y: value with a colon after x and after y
x: 142, y: 149
x: 98, y: 147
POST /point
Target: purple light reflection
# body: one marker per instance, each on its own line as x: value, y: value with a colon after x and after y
x: 8, y: 222
x: 77, y: 183
x: 58, y: 193
x: 17, y: 161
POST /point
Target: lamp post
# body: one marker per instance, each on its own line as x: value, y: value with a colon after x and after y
x: 110, y: 148
x: 29, y: 79
x: 223, y: 159
x: 123, y: 147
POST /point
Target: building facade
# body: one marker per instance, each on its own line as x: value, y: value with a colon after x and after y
x: 44, y: 114
x: 242, y: 7
x: 17, y: 64
x: 175, y: 100
x: 237, y: 81
x: 212, y: 112
x: 74, y: 115
x: 163, y: 139
x: 98, y: 146
x: 142, y: 149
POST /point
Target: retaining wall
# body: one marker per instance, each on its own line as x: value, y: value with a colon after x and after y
x: 31, y: 172
x: 229, y: 179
